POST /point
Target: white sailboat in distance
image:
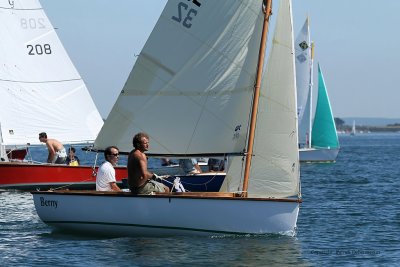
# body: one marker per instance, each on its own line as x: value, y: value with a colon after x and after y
x: 318, y: 140
x: 203, y: 65
x: 353, y: 128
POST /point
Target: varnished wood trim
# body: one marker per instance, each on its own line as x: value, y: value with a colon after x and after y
x: 176, y: 195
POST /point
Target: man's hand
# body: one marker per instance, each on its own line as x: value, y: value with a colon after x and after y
x: 160, y: 177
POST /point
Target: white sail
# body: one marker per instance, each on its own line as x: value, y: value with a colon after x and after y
x: 353, y: 128
x: 275, y: 164
x: 303, y: 80
x: 305, y: 125
x: 40, y: 89
x: 192, y: 84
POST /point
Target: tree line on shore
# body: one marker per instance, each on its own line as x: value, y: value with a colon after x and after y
x: 342, y: 126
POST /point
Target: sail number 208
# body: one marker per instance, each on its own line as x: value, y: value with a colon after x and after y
x: 185, y: 14
x: 39, y: 49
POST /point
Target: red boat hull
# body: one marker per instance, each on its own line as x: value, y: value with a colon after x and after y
x: 26, y: 176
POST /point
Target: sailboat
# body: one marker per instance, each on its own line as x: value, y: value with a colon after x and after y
x: 203, y: 64
x: 40, y: 91
x: 318, y: 140
x: 325, y: 142
x: 304, y: 82
x: 353, y: 128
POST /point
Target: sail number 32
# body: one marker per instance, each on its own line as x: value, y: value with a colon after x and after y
x: 185, y: 14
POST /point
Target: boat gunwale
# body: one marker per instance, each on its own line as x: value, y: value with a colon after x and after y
x: 175, y: 195
x: 12, y: 164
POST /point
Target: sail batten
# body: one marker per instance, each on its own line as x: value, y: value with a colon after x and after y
x: 55, y: 81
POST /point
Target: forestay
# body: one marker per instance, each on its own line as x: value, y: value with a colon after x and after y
x: 191, y: 86
x: 40, y: 89
x: 275, y: 164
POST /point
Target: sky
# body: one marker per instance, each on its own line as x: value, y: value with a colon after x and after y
x: 356, y: 44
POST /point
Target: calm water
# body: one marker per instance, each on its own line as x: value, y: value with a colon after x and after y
x: 350, y: 216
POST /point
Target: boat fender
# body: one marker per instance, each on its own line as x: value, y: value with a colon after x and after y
x: 178, y: 185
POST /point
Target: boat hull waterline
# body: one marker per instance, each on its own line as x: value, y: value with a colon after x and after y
x: 318, y: 154
x: 124, y: 214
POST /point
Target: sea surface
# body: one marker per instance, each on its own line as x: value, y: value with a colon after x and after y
x: 350, y: 217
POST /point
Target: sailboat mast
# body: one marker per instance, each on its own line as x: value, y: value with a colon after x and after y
x: 267, y: 13
x: 311, y: 83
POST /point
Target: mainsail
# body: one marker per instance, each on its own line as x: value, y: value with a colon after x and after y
x: 275, y: 168
x: 40, y: 89
x: 191, y: 86
x: 191, y: 91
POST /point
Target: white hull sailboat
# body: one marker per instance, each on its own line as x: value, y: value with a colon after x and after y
x: 318, y: 154
x: 318, y: 140
x: 124, y: 214
x: 325, y: 142
x: 203, y: 63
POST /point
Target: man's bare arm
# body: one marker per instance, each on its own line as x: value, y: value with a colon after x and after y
x: 52, y: 152
x: 145, y: 174
x: 114, y: 186
x: 197, y: 167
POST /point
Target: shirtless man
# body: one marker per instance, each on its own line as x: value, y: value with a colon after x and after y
x: 140, y: 180
x: 57, y: 153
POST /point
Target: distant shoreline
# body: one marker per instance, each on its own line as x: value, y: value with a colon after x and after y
x: 369, y: 121
x: 372, y: 129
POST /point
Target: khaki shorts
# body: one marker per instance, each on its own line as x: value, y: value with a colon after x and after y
x: 149, y: 187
